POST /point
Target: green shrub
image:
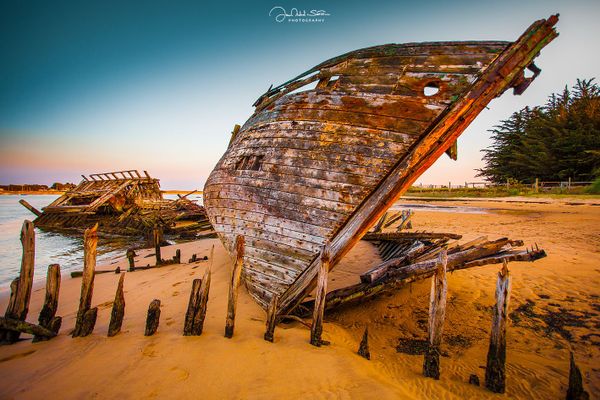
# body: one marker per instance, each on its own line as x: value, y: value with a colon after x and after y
x: 594, y: 188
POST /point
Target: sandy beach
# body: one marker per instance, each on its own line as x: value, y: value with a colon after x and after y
x: 554, y: 307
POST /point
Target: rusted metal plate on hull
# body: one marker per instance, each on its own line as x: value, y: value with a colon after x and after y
x: 321, y: 165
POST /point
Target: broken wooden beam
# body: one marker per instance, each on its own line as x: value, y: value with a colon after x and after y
x: 495, y: 379
x: 48, y: 318
x: 316, y: 329
x: 363, y: 349
x: 407, y: 274
x: 86, y: 317
x: 18, y: 305
x: 271, y: 319
x: 410, y: 235
x: 234, y: 285
x: 380, y: 270
x: 118, y: 310
x: 31, y: 208
x: 18, y: 326
x: 437, y: 314
x: 153, y: 318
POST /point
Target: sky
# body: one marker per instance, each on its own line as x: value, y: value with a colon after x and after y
x: 95, y: 86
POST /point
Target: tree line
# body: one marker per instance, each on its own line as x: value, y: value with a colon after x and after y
x: 553, y: 142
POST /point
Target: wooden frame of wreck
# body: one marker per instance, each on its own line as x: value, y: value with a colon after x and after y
x: 290, y: 198
x: 504, y: 73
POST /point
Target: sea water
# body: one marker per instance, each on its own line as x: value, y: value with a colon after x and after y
x: 50, y: 248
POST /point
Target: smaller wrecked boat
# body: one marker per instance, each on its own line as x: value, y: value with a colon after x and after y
x: 121, y: 203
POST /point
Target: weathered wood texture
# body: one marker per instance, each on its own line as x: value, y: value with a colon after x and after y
x: 316, y: 329
x: 495, y: 371
x: 48, y: 318
x: 323, y: 165
x: 437, y: 314
x: 234, y: 286
x: 118, y: 309
x: 18, y: 326
x: 196, y: 311
x: 86, y: 317
x: 271, y: 319
x: 153, y: 318
x: 156, y: 240
x: 575, y: 391
x: 18, y: 305
x: 363, y: 349
x: 131, y: 259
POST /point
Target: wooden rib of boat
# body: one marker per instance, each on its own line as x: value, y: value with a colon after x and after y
x: 318, y: 167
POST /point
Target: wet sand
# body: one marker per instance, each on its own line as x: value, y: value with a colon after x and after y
x: 555, y: 306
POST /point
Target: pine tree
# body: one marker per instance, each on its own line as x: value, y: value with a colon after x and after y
x: 554, y: 142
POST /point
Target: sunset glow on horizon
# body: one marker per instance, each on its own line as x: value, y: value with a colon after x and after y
x: 87, y: 88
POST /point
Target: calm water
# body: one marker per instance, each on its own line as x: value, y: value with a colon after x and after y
x: 66, y: 250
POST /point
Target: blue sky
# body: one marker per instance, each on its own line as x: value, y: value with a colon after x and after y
x: 97, y: 86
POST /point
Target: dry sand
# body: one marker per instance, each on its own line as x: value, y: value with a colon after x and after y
x: 555, y: 305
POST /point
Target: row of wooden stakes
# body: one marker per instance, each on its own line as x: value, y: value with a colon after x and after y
x: 13, y: 324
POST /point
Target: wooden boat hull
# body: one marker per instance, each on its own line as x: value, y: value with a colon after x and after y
x: 318, y: 167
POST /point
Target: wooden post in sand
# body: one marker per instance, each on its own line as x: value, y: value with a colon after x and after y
x: 153, y: 318
x: 177, y: 257
x: 18, y: 305
x: 86, y: 316
x: 363, y: 349
x: 496, y: 357
x: 188, y: 323
x: 437, y: 314
x: 203, y: 303
x: 130, y: 257
x: 317, y: 323
x: 575, y: 390
x: 118, y: 310
x: 271, y: 318
x: 47, y: 318
x: 156, y: 239
x: 233, y: 286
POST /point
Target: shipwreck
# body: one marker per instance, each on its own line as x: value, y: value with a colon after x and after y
x: 313, y: 169
x: 122, y: 203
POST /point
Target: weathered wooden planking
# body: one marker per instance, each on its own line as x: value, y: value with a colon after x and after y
x: 351, y: 146
x: 250, y: 196
x: 346, y: 116
x: 257, y: 232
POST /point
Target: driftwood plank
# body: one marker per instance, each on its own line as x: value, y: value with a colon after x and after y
x: 18, y: 305
x: 85, y: 320
x: 153, y: 318
x: 317, y: 324
x: 437, y: 314
x: 234, y: 285
x: 47, y: 318
x: 495, y: 379
x: 118, y: 309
